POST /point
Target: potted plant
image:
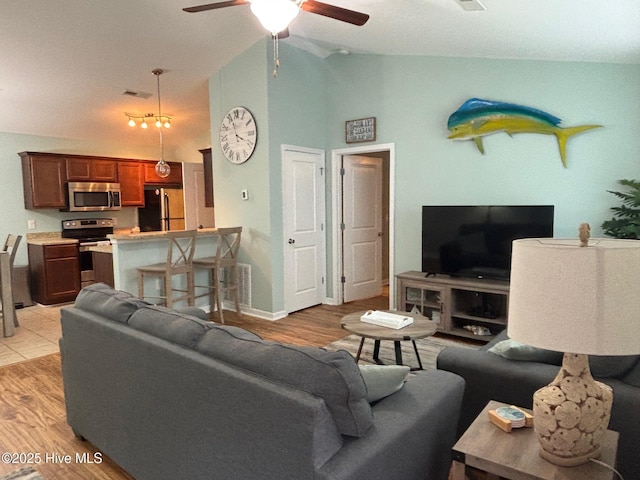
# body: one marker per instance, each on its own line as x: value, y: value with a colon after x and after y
x: 626, y: 218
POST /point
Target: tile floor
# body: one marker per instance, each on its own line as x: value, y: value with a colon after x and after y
x: 36, y: 336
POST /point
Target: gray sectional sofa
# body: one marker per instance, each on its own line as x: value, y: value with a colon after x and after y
x: 501, y: 377
x: 169, y: 396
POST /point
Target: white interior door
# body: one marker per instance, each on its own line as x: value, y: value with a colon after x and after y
x: 304, y: 236
x: 362, y: 232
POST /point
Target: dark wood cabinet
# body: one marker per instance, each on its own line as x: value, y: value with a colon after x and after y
x: 207, y: 162
x: 89, y: 169
x: 55, y: 272
x: 131, y: 178
x: 43, y: 178
x: 174, y: 178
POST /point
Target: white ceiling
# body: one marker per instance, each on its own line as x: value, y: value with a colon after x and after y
x: 64, y: 64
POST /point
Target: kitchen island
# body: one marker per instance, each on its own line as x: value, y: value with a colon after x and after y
x: 136, y: 249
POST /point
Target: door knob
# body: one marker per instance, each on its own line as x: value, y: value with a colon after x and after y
x: 291, y: 241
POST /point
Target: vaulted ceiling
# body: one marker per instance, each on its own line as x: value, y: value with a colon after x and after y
x: 65, y: 64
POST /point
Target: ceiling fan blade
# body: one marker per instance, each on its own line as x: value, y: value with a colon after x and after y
x: 337, y: 13
x: 283, y: 34
x: 213, y: 6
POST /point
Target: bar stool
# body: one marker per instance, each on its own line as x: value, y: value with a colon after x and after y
x: 179, y: 262
x: 11, y: 246
x: 228, y: 245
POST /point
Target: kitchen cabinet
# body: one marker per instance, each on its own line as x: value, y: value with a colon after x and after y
x: 131, y: 179
x: 43, y: 179
x: 207, y: 162
x: 45, y: 175
x: 54, y: 271
x: 174, y: 178
x: 89, y: 169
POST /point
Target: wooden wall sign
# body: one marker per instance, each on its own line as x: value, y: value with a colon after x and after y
x: 360, y: 130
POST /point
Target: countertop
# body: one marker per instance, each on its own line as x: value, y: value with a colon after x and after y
x: 126, y: 234
x: 49, y: 238
x: 101, y: 249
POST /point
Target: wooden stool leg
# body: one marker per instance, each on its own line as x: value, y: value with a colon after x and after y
x: 168, y: 292
x: 141, y: 285
x: 191, y: 289
x: 218, y: 294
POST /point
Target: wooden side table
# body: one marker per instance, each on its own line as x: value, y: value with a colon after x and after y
x: 515, y: 455
x: 420, y: 328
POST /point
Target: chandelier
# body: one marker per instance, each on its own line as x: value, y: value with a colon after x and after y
x: 161, y: 121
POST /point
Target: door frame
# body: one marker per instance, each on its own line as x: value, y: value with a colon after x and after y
x: 336, y: 209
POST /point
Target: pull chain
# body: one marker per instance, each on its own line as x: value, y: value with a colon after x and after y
x: 276, y: 55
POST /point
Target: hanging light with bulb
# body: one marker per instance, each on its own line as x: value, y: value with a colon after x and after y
x: 162, y: 167
x: 161, y: 121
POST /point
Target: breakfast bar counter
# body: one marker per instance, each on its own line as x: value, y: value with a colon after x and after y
x: 136, y: 249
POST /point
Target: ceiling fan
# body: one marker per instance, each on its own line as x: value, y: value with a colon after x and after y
x: 275, y: 15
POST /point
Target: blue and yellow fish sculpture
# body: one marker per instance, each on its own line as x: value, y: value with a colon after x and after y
x: 477, y: 118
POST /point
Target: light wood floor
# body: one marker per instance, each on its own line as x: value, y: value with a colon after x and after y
x: 32, y: 415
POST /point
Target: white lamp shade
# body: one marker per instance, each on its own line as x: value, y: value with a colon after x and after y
x: 274, y: 15
x: 576, y: 299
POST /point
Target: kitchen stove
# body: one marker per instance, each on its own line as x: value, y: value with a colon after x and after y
x: 88, y: 230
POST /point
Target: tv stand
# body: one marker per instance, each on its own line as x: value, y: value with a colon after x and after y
x: 465, y: 307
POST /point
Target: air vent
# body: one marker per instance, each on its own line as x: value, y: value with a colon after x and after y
x: 135, y: 93
x: 471, y: 5
x: 244, y: 286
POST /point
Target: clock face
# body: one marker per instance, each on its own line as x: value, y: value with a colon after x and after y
x: 238, y: 135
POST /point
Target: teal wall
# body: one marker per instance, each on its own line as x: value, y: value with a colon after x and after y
x: 289, y: 109
x: 411, y: 98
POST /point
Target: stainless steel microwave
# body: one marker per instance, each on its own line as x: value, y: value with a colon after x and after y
x: 93, y: 196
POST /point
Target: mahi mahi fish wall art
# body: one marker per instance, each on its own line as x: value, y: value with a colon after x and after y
x: 477, y: 118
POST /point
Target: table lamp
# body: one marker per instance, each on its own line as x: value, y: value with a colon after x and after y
x: 580, y: 300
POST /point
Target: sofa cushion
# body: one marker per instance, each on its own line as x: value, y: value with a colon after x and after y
x: 169, y: 325
x: 114, y: 304
x: 611, y: 366
x: 383, y: 380
x: 517, y: 351
x: 332, y: 376
x: 633, y: 376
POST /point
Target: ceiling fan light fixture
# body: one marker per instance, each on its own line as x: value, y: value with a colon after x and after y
x: 275, y: 15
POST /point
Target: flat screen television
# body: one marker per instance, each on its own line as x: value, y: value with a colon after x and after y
x: 475, y: 241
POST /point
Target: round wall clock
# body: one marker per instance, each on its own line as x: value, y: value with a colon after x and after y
x: 238, y: 135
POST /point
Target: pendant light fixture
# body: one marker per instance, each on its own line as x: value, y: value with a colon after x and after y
x: 162, y: 167
x: 161, y: 121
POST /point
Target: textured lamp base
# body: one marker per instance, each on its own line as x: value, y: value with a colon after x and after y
x: 571, y: 414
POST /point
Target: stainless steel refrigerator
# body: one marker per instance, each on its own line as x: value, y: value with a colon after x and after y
x: 163, y: 210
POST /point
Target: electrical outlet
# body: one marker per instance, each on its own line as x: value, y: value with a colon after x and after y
x: 245, y: 194
x: 31, y: 224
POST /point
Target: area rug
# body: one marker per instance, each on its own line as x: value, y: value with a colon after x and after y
x: 428, y: 347
x: 25, y: 473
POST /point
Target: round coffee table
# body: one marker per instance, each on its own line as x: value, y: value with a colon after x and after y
x: 420, y: 328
